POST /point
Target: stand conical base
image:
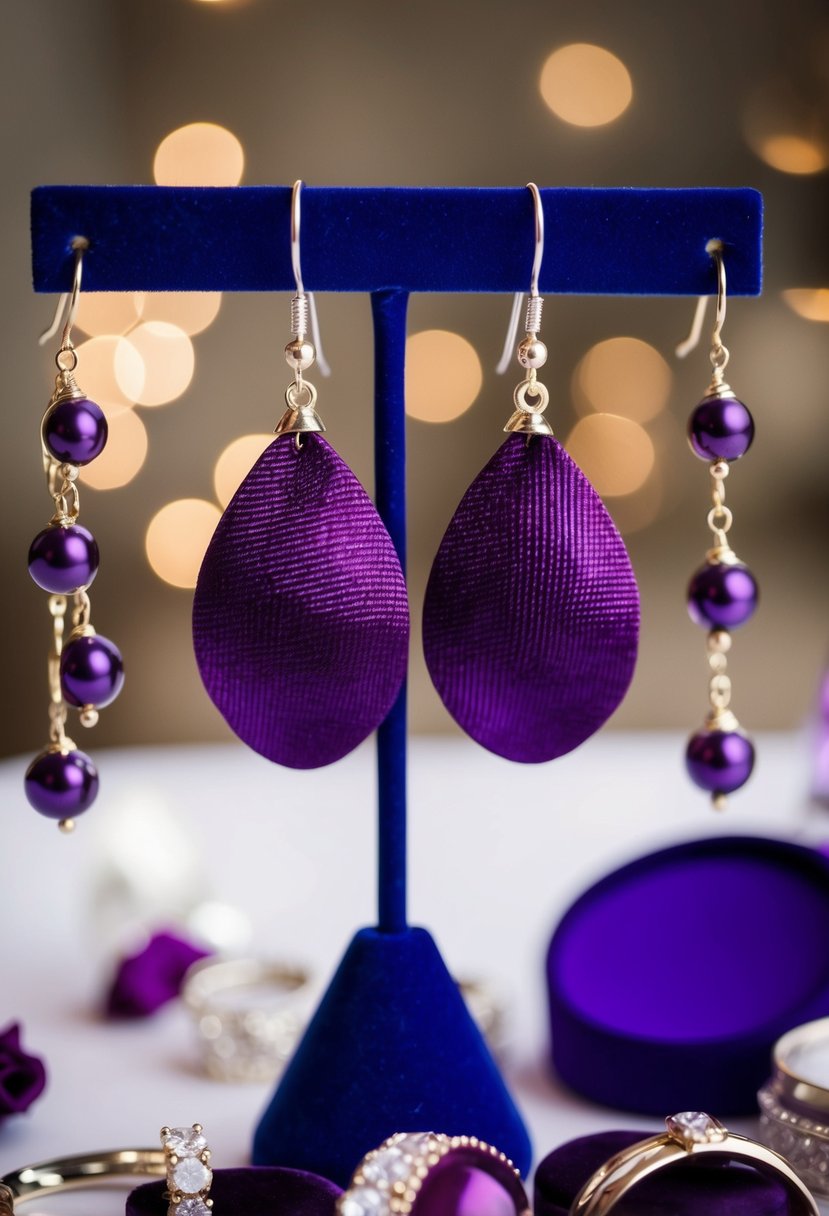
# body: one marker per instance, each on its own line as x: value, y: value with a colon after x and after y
x: 391, y: 1048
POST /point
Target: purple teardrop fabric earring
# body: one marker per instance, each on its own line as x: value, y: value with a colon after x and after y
x: 531, y: 614
x: 300, y: 615
x: 722, y: 594
x: 86, y: 671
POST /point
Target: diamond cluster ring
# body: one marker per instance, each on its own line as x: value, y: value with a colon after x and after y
x: 189, y: 1176
x: 413, y: 1173
x: 688, y: 1136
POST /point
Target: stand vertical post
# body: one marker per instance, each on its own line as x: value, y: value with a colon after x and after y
x: 389, y: 314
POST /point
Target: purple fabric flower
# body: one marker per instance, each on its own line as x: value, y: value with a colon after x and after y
x: 151, y: 978
x: 22, y: 1077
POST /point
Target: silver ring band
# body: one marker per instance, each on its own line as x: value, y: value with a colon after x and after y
x: 243, y: 1043
x: 794, y: 1108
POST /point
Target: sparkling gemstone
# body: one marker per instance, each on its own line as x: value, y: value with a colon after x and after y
x: 389, y: 1165
x: 185, y: 1142
x: 192, y: 1207
x: 693, y: 1125
x: 191, y: 1176
x: 455, y: 1188
x: 415, y: 1144
x: 364, y: 1201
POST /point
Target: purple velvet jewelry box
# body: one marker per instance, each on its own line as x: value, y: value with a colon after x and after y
x: 250, y: 1192
x: 670, y: 979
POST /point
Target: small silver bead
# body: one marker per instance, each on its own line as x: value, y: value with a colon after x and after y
x: 532, y: 353
x: 299, y: 354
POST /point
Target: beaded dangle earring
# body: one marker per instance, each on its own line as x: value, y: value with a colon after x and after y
x: 86, y: 671
x: 722, y: 594
x: 531, y: 615
x: 300, y: 616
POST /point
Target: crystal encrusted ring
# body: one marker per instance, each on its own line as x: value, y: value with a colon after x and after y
x: 431, y: 1174
x: 188, y: 1170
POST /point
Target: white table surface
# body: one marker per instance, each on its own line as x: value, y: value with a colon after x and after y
x: 498, y: 851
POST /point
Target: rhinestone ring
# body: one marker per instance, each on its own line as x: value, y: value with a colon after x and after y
x: 240, y: 1041
x: 188, y: 1170
x: 689, y: 1135
x: 414, y: 1173
x: 794, y: 1103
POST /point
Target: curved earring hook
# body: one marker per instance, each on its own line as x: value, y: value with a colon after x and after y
x: 715, y: 249
x: 538, y: 256
x: 68, y: 301
x: 296, y: 265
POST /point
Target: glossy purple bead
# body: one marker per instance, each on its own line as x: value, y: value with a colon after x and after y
x: 61, y: 785
x: 63, y: 559
x: 720, y: 428
x: 91, y: 671
x: 75, y: 430
x: 722, y: 596
x: 719, y: 761
x: 458, y: 1189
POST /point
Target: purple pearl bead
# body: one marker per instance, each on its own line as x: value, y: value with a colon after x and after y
x: 91, y: 671
x: 61, y: 785
x: 720, y: 428
x: 719, y: 761
x: 722, y: 596
x: 75, y: 430
x: 63, y: 559
x: 458, y: 1189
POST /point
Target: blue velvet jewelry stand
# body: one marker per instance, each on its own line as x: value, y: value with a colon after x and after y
x: 392, y: 1046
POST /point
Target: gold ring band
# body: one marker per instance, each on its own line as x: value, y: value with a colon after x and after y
x: 75, y: 1173
x: 689, y: 1135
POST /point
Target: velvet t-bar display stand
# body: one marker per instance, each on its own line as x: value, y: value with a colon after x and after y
x: 392, y: 1046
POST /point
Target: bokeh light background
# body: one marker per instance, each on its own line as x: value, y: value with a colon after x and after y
x: 215, y: 92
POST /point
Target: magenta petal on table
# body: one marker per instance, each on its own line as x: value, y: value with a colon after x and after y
x: 22, y: 1076
x: 531, y: 615
x: 152, y: 977
x: 301, y: 618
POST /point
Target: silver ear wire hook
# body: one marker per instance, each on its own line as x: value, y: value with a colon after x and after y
x: 67, y: 305
x: 533, y: 312
x: 715, y: 249
x: 303, y: 305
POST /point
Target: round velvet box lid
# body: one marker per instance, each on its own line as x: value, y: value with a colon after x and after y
x: 252, y: 1191
x: 700, y: 1188
x: 670, y: 979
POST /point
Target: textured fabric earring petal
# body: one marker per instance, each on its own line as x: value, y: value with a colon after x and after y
x: 531, y: 615
x: 300, y: 617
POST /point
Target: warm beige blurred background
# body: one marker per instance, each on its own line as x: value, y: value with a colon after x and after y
x: 426, y: 93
